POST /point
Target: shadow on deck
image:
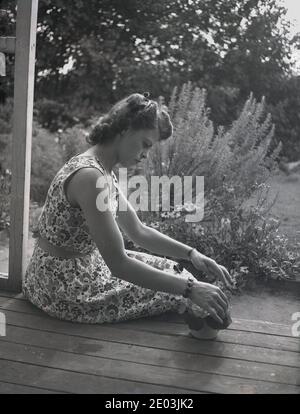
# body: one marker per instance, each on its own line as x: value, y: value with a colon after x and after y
x: 40, y: 354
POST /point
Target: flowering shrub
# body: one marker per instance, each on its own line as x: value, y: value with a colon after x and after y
x: 247, y: 243
x: 236, y: 164
x: 239, y: 156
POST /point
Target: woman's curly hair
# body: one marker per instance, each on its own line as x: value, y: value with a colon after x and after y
x: 136, y: 111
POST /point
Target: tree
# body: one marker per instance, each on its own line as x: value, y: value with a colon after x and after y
x: 115, y: 47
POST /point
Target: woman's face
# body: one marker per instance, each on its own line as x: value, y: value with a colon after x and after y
x: 135, y: 144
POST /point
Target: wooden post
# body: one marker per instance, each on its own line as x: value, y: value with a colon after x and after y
x: 21, y: 143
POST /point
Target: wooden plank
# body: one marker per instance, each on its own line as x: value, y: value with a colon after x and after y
x: 12, y: 295
x: 7, y: 44
x: 173, y: 318
x: 153, y: 325
x: 58, y: 380
x: 159, y: 357
x: 159, y: 375
x: 262, y: 327
x: 205, y: 363
x: 40, y: 320
x: 238, y: 324
x: 21, y: 142
x: 9, y: 388
x: 213, y: 348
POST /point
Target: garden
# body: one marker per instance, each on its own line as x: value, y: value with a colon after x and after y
x: 234, y: 104
x: 238, y: 228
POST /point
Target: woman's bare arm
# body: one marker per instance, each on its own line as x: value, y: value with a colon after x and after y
x: 108, y: 238
x: 146, y: 237
x: 156, y: 242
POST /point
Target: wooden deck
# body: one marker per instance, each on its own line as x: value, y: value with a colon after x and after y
x: 40, y: 354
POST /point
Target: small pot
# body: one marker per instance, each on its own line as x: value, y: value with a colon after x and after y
x: 205, y: 328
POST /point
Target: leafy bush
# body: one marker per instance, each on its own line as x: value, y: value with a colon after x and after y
x: 46, y: 156
x: 248, y: 244
x: 47, y: 159
x: 237, y: 156
x: 53, y: 115
x: 73, y: 141
x: 5, y: 181
x: 49, y: 153
x: 236, y: 164
x: 6, y: 114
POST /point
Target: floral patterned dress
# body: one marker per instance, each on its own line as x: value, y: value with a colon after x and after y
x: 82, y: 289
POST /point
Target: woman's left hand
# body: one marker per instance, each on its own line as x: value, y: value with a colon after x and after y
x: 211, y: 268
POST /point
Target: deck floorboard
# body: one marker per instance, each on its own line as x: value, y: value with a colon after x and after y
x: 41, y: 354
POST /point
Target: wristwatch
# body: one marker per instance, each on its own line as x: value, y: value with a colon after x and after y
x: 189, y: 286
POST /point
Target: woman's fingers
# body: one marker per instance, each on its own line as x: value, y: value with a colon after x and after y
x: 221, y: 273
x: 220, y: 310
x: 214, y: 314
x: 216, y: 271
x: 223, y: 302
x: 211, y: 268
x: 223, y: 296
x: 227, y: 275
x: 211, y: 299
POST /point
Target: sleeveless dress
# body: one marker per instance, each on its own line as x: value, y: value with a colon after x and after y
x: 82, y: 289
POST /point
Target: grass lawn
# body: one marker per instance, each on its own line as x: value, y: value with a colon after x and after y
x: 287, y: 206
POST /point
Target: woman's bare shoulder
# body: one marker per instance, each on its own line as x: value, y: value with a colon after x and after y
x: 84, y: 179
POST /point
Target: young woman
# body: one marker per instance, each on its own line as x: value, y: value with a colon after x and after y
x: 80, y: 270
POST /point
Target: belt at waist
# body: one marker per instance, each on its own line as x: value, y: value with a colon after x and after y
x: 57, y: 251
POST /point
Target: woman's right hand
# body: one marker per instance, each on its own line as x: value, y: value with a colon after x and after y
x: 210, y: 298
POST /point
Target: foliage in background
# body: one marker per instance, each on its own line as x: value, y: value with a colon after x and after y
x: 236, y: 163
x: 5, y: 180
x: 49, y: 152
x: 112, y: 48
x: 236, y: 158
x: 6, y: 111
x: 247, y: 242
x: 53, y: 115
x: 73, y: 141
x: 46, y: 160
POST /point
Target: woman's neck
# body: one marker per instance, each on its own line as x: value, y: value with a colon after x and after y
x: 106, y: 154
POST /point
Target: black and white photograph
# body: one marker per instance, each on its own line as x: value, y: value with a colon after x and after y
x: 150, y: 199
